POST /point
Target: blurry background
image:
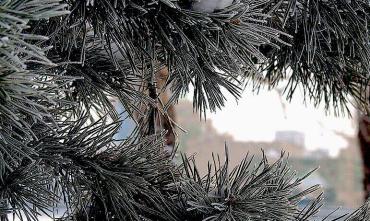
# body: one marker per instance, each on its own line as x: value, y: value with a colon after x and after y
x: 312, y: 136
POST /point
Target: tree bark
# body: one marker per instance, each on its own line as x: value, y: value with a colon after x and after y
x: 364, y: 140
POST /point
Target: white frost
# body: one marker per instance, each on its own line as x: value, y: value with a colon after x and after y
x: 211, y: 5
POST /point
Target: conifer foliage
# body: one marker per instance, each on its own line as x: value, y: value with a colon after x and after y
x: 63, y: 61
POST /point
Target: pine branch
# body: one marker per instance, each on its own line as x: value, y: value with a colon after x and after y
x: 106, y: 180
x: 202, y: 49
x: 51, y: 148
x: 27, y: 88
x: 247, y: 192
x: 99, y: 81
x: 26, y: 191
x: 329, y: 57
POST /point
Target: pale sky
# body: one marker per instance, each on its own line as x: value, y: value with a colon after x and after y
x: 258, y: 117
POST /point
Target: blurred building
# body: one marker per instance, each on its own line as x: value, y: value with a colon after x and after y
x: 293, y: 137
x: 318, y: 154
